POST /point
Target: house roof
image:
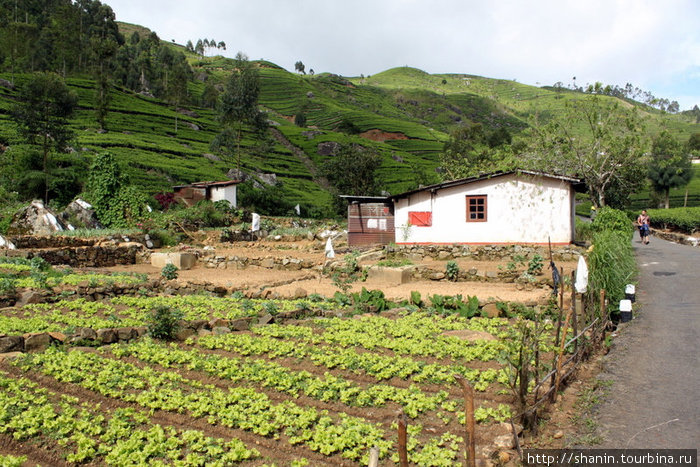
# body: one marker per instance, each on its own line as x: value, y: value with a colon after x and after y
x: 209, y: 184
x: 464, y: 181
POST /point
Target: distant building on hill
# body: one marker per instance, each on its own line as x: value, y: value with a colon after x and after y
x: 211, y: 191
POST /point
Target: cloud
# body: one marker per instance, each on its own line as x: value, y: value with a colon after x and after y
x: 648, y: 43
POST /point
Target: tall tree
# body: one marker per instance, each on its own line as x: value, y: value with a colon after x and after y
x: 353, y: 171
x: 299, y: 67
x: 104, y: 43
x: 176, y: 85
x: 42, y: 113
x: 693, y: 144
x: 472, y: 149
x: 670, y: 166
x: 238, y: 107
x: 597, y: 140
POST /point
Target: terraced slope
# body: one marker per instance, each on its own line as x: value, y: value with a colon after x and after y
x: 403, y: 113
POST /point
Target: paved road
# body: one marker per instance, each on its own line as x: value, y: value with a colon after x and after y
x: 654, y: 401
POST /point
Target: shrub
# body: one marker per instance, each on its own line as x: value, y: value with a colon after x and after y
x: 584, y: 231
x: 165, y: 199
x: 611, y: 264
x: 169, y: 272
x: 164, y: 322
x: 535, y: 265
x: 452, y: 271
x: 609, y: 219
x: 7, y: 287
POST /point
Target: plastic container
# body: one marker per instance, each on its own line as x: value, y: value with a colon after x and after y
x: 625, y: 311
x: 630, y: 292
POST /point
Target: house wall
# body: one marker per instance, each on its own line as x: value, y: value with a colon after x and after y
x: 190, y: 195
x: 520, y: 209
x: 227, y: 193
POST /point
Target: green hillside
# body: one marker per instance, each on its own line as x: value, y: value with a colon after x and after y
x: 405, y: 114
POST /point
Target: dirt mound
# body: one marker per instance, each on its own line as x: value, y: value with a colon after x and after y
x: 379, y: 135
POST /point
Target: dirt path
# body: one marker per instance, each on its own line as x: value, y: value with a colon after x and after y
x: 655, y: 363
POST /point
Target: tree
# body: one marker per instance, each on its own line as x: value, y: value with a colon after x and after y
x: 238, y: 107
x: 299, y: 67
x: 596, y: 140
x: 353, y: 172
x: 472, y: 149
x: 199, y: 48
x: 693, y: 144
x: 42, y: 113
x: 116, y: 203
x: 210, y: 96
x: 670, y: 166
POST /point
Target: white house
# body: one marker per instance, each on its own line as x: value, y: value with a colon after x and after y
x: 504, y: 207
x: 212, y: 191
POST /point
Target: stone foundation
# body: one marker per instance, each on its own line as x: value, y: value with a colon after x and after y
x: 480, y: 252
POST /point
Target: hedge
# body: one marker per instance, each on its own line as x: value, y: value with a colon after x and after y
x: 683, y: 219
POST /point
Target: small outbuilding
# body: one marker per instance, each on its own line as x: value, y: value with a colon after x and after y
x: 212, y: 191
x: 370, y: 220
x: 515, y: 207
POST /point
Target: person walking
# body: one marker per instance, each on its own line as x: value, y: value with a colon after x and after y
x: 643, y: 222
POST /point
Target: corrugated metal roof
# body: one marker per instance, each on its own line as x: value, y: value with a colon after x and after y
x: 366, y: 199
x: 464, y: 181
x: 209, y: 184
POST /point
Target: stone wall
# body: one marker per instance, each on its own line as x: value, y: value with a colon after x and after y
x: 268, y: 262
x: 66, y: 241
x: 481, y: 252
x: 86, y: 256
x: 81, y: 252
x: 50, y: 241
x: 683, y: 239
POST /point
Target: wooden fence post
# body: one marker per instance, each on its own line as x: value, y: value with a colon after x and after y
x: 574, y: 321
x: 561, y: 288
x: 560, y: 358
x: 603, y: 314
x: 470, y: 449
x: 403, y: 453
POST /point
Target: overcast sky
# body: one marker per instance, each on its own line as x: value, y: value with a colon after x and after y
x: 653, y: 44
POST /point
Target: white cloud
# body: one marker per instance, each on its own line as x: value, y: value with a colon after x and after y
x: 648, y: 43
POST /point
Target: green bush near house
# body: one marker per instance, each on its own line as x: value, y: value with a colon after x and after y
x: 610, y: 219
x: 611, y: 264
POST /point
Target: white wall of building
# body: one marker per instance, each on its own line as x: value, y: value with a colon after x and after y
x: 520, y: 209
x: 227, y: 193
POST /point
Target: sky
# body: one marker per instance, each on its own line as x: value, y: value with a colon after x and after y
x: 652, y: 44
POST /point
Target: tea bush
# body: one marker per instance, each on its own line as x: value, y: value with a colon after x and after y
x: 683, y: 219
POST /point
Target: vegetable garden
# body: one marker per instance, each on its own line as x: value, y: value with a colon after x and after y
x: 314, y: 391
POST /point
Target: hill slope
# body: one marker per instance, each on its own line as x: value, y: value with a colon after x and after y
x: 403, y: 113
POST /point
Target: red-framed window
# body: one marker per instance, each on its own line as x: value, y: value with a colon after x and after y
x: 477, y: 208
x: 420, y: 218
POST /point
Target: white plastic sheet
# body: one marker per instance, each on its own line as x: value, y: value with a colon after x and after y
x: 330, y: 253
x: 581, y: 284
x: 256, y: 223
